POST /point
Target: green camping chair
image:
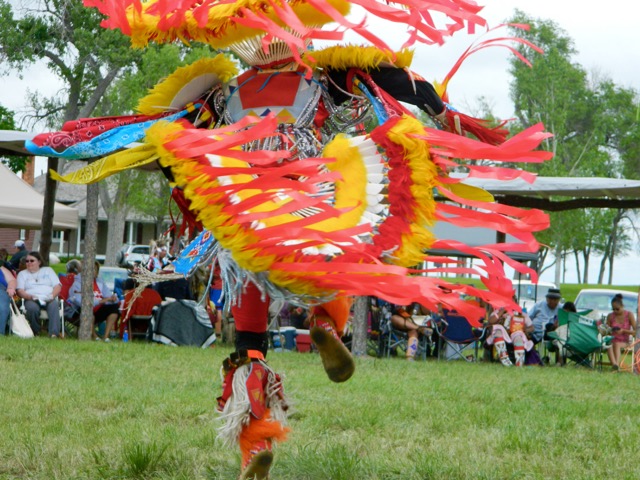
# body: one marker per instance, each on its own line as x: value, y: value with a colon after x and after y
x: 580, y: 339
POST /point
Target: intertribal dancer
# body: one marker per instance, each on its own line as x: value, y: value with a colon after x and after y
x: 309, y: 180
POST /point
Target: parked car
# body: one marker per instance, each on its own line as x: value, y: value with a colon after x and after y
x: 599, y: 301
x: 529, y: 293
x: 129, y: 255
x: 109, y: 275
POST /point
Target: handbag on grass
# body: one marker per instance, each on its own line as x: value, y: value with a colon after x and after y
x: 19, y: 325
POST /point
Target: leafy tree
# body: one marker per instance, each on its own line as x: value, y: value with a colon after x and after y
x: 14, y: 162
x: 68, y: 37
x: 615, y: 242
x: 87, y: 58
x: 620, y: 122
x: 594, y: 125
x: 140, y: 191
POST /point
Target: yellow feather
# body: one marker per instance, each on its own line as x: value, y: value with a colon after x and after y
x: 470, y: 192
x: 220, y: 31
x: 161, y: 96
x: 351, y: 190
x: 363, y: 57
x: 423, y: 175
x: 440, y: 88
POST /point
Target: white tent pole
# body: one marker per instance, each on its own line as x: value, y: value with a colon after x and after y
x: 78, y: 237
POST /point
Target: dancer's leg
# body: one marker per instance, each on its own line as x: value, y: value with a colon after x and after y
x: 327, y: 325
x: 501, y: 348
x: 252, y: 403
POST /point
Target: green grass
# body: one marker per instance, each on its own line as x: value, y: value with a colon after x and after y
x: 89, y: 410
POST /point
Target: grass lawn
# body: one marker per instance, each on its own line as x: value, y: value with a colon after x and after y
x: 89, y: 410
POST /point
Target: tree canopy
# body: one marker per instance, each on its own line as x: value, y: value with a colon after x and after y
x: 595, y: 130
x: 67, y: 36
x: 14, y: 162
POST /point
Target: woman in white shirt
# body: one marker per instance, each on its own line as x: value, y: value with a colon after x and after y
x: 39, y: 287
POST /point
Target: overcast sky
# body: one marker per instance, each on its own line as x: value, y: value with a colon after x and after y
x: 605, y: 34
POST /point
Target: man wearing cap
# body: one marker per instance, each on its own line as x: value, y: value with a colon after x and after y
x: 21, y: 252
x: 545, y: 312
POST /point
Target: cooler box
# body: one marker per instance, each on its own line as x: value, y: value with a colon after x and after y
x: 276, y: 340
x: 303, y: 341
x: 289, y: 336
x: 283, y: 339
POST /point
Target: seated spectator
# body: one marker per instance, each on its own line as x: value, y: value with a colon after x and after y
x: 402, y: 320
x: 21, y: 252
x: 39, y: 287
x: 7, y: 292
x: 159, y: 259
x: 118, y: 288
x: 299, y: 317
x: 142, y: 305
x: 623, y: 325
x: 215, y: 298
x: 106, y: 307
x: 22, y: 265
x: 544, y: 313
x: 74, y: 267
x: 561, y: 332
x: 4, y: 255
x: 510, y: 328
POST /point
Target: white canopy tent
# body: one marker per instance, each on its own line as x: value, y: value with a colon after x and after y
x: 579, y: 192
x: 12, y: 142
x: 21, y: 206
x: 545, y: 187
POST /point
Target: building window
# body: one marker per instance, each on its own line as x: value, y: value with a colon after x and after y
x: 22, y: 234
x: 57, y: 235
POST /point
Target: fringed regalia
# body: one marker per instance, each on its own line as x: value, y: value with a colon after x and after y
x: 307, y: 176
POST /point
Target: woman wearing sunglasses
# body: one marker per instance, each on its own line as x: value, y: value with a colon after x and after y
x: 622, y: 324
x: 39, y: 287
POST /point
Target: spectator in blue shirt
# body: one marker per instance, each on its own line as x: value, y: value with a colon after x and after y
x: 544, y: 313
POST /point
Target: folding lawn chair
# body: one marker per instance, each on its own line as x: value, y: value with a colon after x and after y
x: 71, y: 312
x: 44, y: 318
x: 581, y: 342
x: 456, y: 335
x: 391, y: 340
x: 137, y: 315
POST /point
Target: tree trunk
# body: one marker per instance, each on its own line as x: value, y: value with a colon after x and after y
x: 88, y: 260
x: 614, y: 242
x: 612, y: 257
x: 586, y: 254
x: 609, y: 250
x: 116, y: 216
x: 116, y: 225
x: 542, y: 256
x: 577, y: 257
x: 360, y: 316
x: 558, y: 269
x: 46, y: 231
x: 603, y: 263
